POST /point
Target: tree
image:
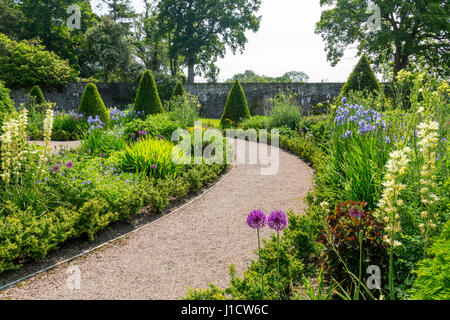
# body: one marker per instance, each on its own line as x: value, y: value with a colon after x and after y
x: 200, y: 30
x: 295, y: 76
x: 92, y: 103
x: 408, y: 30
x: 361, y: 79
x: 12, y: 19
x: 47, y: 20
x: 236, y: 108
x: 250, y: 76
x: 109, y: 48
x: 147, y: 97
x: 119, y: 10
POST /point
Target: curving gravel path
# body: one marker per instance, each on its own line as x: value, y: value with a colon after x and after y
x: 189, y: 248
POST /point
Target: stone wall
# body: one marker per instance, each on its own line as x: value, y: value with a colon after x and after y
x: 211, y: 96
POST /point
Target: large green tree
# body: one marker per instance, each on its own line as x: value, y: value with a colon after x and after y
x: 402, y: 32
x: 249, y: 76
x: 200, y: 30
x: 110, y: 49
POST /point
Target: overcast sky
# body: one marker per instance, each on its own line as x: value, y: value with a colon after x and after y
x: 285, y: 42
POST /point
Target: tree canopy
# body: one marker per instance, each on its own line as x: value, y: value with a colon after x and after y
x: 249, y: 76
x: 409, y: 30
x: 201, y: 30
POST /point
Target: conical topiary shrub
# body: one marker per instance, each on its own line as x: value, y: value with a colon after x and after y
x: 361, y: 79
x: 36, y: 96
x: 92, y: 103
x: 147, y: 97
x: 178, y: 91
x: 236, y: 108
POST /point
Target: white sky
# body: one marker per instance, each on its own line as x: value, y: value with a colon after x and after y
x: 285, y: 42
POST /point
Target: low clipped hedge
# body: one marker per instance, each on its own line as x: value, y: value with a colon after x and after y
x: 26, y: 235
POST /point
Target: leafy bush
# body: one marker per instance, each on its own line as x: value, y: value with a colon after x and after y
x: 152, y: 157
x: 154, y: 126
x: 178, y: 90
x: 184, y: 110
x: 27, y: 63
x: 433, y: 273
x: 147, y: 98
x: 6, y: 103
x: 284, y: 113
x: 236, y: 108
x: 102, y: 143
x: 361, y: 79
x: 92, y: 103
x: 255, y: 122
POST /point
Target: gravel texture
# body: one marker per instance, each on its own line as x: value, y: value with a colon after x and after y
x: 189, y: 248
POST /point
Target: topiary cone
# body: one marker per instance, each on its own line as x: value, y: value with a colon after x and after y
x: 178, y: 91
x: 362, y: 79
x: 92, y: 103
x: 36, y: 96
x: 236, y: 108
x: 147, y: 97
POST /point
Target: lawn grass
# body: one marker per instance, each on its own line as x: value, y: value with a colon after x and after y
x: 210, y: 123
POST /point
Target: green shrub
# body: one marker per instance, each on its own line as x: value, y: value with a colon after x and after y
x: 178, y: 91
x: 361, y: 79
x: 152, y: 157
x: 6, y: 103
x: 433, y: 273
x: 92, y: 104
x: 147, y: 97
x: 26, y: 63
x: 103, y: 142
x: 154, y: 126
x: 184, y: 110
x: 284, y: 113
x: 236, y: 108
x: 255, y: 122
x: 36, y: 96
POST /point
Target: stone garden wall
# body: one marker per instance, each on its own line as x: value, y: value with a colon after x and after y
x: 211, y: 96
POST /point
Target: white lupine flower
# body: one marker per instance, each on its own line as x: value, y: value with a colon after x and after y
x: 428, y: 134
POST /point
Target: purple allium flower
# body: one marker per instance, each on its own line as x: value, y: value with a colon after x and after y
x: 257, y: 219
x: 160, y: 137
x: 69, y: 165
x: 28, y: 138
x: 277, y: 220
x: 138, y: 139
x: 355, y: 212
x: 133, y: 136
x: 102, y: 155
x: 154, y: 166
x: 142, y: 133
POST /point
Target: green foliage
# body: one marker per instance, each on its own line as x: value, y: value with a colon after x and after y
x: 36, y: 96
x: 103, y: 142
x: 151, y: 157
x: 219, y: 25
x: 284, y: 113
x: 236, y: 108
x: 147, y: 98
x: 362, y: 79
x: 433, y: 273
x: 209, y: 294
x: 250, y: 76
x: 92, y: 104
x: 154, y: 126
x: 184, y: 110
x: 27, y: 63
x: 6, y: 103
x: 341, y: 240
x: 400, y: 40
x: 178, y: 90
x: 255, y: 122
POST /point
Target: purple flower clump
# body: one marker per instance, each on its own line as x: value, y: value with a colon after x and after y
x: 277, y: 220
x: 257, y: 219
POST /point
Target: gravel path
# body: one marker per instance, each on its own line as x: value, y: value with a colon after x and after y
x: 190, y: 248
